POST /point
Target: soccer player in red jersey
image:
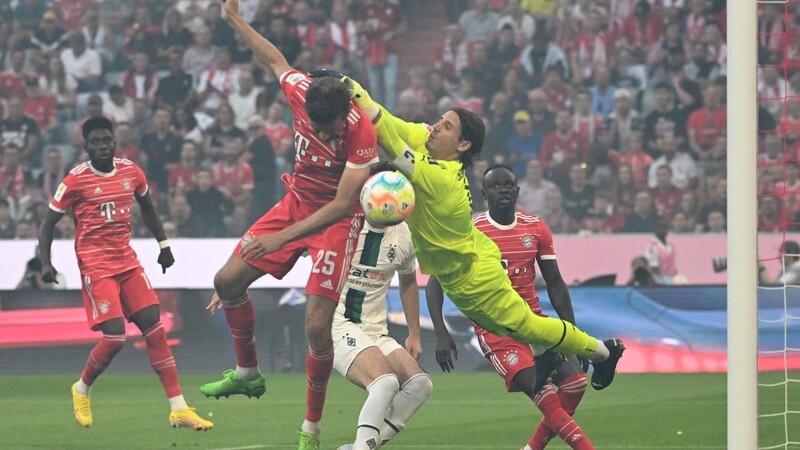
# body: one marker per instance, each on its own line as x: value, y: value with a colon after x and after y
x: 335, y: 145
x: 100, y: 193
x: 523, y: 239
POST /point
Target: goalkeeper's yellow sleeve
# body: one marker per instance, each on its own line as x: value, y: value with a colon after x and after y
x: 414, y: 135
x: 388, y: 138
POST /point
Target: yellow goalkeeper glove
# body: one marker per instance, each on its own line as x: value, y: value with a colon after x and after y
x: 358, y: 94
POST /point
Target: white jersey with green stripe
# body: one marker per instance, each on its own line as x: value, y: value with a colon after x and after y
x: 380, y: 253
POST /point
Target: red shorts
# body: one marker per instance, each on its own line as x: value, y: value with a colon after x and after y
x: 330, y: 250
x: 508, y: 357
x: 117, y: 296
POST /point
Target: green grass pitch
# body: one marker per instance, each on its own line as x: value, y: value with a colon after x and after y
x: 466, y: 411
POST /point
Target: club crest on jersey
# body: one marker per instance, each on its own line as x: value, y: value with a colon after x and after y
x: 392, y: 254
x: 351, y: 342
x: 127, y: 185
x: 512, y: 358
x: 103, y: 307
x: 246, y: 239
x: 527, y: 241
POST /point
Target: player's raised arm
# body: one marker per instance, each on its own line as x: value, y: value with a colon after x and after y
x: 446, y: 349
x: 264, y: 51
x: 45, y: 242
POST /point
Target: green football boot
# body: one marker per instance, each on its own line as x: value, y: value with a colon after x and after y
x: 232, y: 384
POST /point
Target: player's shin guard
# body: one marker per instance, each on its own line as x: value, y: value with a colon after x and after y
x: 405, y: 404
x: 241, y: 318
x: 559, y: 423
x: 161, y: 359
x: 318, y: 372
x: 101, y: 356
x: 380, y: 394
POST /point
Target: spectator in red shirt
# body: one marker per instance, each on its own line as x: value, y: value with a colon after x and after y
x: 14, y: 176
x: 591, y: 47
x: 465, y: 97
x: 140, y: 81
x: 70, y: 12
x: 706, y: 124
x: 633, y: 155
x: 183, y: 177
x: 559, y: 93
x: 381, y: 23
x: 41, y: 107
x: 12, y: 80
x: 234, y: 177
x: 562, y: 148
x: 641, y: 29
x: 666, y: 197
x: 453, y: 54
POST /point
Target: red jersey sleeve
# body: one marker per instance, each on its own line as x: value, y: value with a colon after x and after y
x: 545, y: 249
x: 290, y: 81
x: 141, y: 181
x: 66, y: 194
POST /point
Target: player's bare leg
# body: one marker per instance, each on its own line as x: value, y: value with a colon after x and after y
x: 231, y: 283
x: 319, y: 365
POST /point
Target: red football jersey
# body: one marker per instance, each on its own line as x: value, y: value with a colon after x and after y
x: 521, y: 243
x: 318, y: 164
x: 101, y: 203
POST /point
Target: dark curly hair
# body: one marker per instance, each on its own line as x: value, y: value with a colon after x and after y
x: 327, y: 99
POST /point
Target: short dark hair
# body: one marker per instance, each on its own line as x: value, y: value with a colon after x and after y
x: 498, y: 166
x: 96, y: 123
x: 791, y: 247
x: 327, y: 99
x: 473, y: 130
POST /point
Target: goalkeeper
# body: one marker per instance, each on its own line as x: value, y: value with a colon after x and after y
x: 464, y: 260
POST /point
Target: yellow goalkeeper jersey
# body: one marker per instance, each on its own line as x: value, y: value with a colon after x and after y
x: 441, y: 225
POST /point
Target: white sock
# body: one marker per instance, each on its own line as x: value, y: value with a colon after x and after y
x: 177, y: 403
x: 527, y: 447
x: 248, y: 373
x: 601, y: 354
x: 311, y: 427
x: 411, y: 396
x: 83, y: 388
x: 380, y: 394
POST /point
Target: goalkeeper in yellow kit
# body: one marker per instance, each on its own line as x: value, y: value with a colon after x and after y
x: 464, y: 260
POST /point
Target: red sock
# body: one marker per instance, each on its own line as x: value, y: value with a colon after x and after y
x: 570, y: 392
x: 101, y: 355
x: 318, y: 371
x: 162, y: 360
x: 558, y: 421
x: 241, y: 318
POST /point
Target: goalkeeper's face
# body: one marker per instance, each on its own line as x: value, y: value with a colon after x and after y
x: 445, y: 142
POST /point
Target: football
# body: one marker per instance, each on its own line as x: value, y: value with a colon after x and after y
x: 387, y: 198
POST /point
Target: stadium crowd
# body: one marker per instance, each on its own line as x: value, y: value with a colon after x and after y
x: 612, y: 112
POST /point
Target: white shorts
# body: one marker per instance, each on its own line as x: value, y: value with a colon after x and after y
x: 349, y: 340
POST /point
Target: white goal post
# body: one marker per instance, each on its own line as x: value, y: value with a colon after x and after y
x: 742, y: 132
